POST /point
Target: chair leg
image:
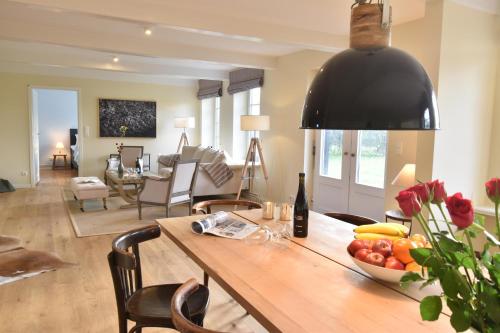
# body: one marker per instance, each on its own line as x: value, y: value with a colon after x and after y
x: 190, y: 208
x: 205, y: 279
x: 139, y: 208
x: 167, y: 209
x: 122, y: 325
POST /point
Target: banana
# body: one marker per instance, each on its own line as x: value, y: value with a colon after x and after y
x: 391, y: 229
x: 374, y: 236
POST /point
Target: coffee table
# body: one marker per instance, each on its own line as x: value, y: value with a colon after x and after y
x: 118, y: 185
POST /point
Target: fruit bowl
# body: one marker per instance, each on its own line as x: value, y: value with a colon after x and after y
x: 380, y: 273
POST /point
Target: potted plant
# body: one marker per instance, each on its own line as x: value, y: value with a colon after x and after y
x: 470, y: 280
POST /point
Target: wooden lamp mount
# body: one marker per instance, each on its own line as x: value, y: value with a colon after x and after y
x: 370, y: 25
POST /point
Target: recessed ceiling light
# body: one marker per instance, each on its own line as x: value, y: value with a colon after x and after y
x: 116, y: 59
x: 148, y: 31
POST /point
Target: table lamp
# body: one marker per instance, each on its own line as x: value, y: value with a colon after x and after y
x: 59, y: 146
x: 184, y: 122
x: 405, y: 177
x: 253, y: 124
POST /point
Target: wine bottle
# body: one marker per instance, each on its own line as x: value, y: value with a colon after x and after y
x: 300, y: 210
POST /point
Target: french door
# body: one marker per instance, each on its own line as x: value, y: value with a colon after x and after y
x: 349, y: 172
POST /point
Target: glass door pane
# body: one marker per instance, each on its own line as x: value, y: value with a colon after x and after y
x: 331, y: 153
x: 370, y: 164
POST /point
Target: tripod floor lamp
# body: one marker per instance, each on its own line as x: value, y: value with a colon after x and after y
x: 185, y: 122
x: 253, y: 124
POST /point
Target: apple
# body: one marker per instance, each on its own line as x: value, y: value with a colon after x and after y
x: 357, y: 245
x: 383, y: 246
x: 361, y: 254
x: 376, y: 259
x: 368, y: 243
x: 394, y: 263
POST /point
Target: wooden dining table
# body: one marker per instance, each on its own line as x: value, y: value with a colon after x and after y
x: 306, y: 284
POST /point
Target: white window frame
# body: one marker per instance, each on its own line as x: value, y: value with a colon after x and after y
x: 210, y: 122
x: 242, y: 106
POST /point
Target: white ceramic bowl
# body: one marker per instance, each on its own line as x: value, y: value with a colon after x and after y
x: 380, y: 273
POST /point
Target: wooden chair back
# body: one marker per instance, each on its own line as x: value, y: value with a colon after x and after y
x: 352, y: 219
x: 180, y: 310
x: 205, y: 207
x: 125, y: 263
x: 129, y: 155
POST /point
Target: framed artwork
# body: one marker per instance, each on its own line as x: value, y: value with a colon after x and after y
x: 139, y: 118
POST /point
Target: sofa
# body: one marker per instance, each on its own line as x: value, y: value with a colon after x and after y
x: 205, y: 186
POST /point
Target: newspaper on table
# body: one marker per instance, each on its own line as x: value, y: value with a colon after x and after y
x: 221, y: 224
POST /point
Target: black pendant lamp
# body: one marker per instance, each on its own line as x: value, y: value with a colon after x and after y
x: 371, y: 86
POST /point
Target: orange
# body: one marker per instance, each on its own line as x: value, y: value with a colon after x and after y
x: 401, y: 249
x: 419, y: 238
x: 413, y: 267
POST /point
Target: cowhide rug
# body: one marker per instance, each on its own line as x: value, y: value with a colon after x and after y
x: 18, y: 263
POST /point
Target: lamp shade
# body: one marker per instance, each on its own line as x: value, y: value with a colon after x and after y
x: 405, y: 177
x: 59, y: 145
x: 184, y: 122
x: 255, y: 123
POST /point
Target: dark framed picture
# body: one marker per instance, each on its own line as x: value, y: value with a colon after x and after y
x: 139, y: 118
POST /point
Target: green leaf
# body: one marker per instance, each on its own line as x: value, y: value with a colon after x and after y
x: 479, y: 220
x: 421, y: 255
x: 491, y: 298
x: 449, y: 284
x: 430, y: 308
x: 408, y: 278
x: 450, y: 245
x: 460, y: 320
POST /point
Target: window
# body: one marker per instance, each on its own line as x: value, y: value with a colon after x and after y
x: 331, y: 153
x: 245, y: 103
x: 210, y: 122
x: 372, y: 149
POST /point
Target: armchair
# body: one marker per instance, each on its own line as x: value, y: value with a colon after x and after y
x: 174, y: 190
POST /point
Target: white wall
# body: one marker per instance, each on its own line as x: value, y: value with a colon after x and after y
x: 57, y: 113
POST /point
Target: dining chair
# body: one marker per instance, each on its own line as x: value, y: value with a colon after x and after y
x: 205, y: 207
x: 175, y: 190
x: 352, y: 219
x: 181, y: 309
x: 146, y: 306
x: 129, y: 155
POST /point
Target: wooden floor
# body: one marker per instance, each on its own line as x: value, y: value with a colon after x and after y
x: 81, y: 298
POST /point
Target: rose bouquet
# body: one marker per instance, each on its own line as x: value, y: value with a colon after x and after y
x: 470, y: 280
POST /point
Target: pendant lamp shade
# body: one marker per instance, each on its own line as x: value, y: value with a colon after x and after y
x: 371, y: 86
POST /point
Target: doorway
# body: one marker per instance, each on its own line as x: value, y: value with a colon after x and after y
x: 349, y: 173
x: 54, y: 139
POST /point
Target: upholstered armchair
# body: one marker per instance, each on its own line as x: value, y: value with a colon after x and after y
x: 174, y: 190
x: 130, y: 154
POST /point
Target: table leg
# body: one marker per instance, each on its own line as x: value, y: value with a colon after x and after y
x: 65, y: 163
x: 104, y: 203
x: 81, y: 206
x: 53, y: 162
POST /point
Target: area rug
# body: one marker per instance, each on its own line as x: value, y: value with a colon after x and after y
x: 18, y: 263
x: 97, y: 221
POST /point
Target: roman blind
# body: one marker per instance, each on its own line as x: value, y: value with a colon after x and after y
x: 209, y: 88
x: 245, y: 79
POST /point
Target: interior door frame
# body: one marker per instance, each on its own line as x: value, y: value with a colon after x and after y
x: 81, y: 139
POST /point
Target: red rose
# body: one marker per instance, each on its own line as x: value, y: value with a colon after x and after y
x: 408, y: 202
x: 437, y: 190
x: 461, y: 211
x: 493, y: 189
x: 422, y: 192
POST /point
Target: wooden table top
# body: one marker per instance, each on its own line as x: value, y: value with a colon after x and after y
x: 330, y: 238
x: 295, y: 289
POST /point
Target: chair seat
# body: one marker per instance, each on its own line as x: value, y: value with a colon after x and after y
x: 152, y: 304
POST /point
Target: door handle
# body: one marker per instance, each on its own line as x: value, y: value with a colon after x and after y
x: 346, y: 153
x: 353, y: 155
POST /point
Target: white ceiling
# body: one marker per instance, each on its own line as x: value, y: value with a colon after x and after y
x: 191, y: 39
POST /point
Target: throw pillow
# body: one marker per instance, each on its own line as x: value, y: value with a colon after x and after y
x: 198, y: 154
x: 219, y: 158
x: 188, y: 152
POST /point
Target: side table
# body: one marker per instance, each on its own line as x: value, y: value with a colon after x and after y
x: 55, y: 156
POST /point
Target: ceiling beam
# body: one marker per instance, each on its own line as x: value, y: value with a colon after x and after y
x: 170, y: 15
x: 113, y: 43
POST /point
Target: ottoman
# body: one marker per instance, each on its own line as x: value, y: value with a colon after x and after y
x: 85, y: 188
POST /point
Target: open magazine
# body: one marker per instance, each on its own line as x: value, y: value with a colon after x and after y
x: 221, y: 224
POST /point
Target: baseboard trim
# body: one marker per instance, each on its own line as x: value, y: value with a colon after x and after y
x: 22, y: 185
